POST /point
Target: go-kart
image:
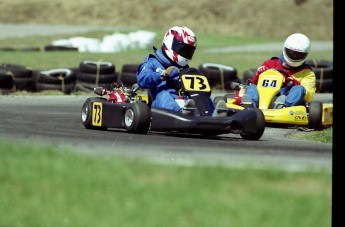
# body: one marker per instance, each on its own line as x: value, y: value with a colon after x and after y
x: 314, y: 115
x: 125, y: 109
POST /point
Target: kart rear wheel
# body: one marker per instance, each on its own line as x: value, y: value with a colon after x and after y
x: 137, y: 118
x: 260, y: 126
x: 86, y: 113
x: 315, y: 115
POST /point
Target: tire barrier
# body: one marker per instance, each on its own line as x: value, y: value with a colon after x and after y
x: 59, y: 48
x: 22, y: 76
x: 219, y: 76
x: 128, y: 75
x: 97, y: 67
x: 323, y: 70
x: 248, y: 75
x: 20, y: 49
x: 56, y: 79
x: 92, y: 74
x: 6, y: 80
x: 324, y: 85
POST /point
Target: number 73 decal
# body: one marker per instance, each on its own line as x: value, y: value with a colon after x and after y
x: 195, y: 83
x: 97, y: 114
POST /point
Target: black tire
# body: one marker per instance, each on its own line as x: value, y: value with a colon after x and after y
x: 86, y: 113
x: 325, y: 85
x: 248, y: 75
x: 228, y: 86
x: 64, y: 88
x: 323, y: 69
x: 96, y: 78
x: 6, y: 79
x: 22, y: 76
x: 260, y: 126
x: 59, y: 48
x: 22, y: 84
x: 56, y: 76
x: 19, y: 71
x: 218, y: 74
x: 128, y: 78
x: 29, y: 49
x: 128, y: 75
x: 137, y: 118
x: 130, y: 68
x: 7, y: 49
x: 315, y: 115
x: 56, y: 79
x: 97, y: 67
x: 84, y: 86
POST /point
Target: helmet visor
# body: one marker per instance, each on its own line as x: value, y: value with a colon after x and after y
x: 183, y: 49
x: 295, y: 55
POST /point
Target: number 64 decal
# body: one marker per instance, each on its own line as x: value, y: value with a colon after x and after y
x: 269, y: 83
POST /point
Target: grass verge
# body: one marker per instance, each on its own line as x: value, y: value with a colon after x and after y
x: 44, y: 186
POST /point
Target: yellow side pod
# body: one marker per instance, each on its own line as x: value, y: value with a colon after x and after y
x: 327, y: 114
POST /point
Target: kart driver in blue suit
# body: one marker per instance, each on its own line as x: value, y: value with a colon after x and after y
x: 161, y: 68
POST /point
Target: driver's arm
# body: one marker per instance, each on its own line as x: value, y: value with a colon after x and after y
x: 148, y: 76
x: 308, y: 81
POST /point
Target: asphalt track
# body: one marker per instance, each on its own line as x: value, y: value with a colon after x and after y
x: 56, y: 120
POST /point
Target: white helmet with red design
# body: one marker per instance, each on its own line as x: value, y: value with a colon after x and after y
x: 296, y: 49
x: 179, y: 44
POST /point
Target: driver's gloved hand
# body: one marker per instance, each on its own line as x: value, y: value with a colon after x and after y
x: 171, y: 73
x: 261, y: 69
x: 290, y: 82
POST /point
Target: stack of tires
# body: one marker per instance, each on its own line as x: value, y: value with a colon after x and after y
x: 323, y: 70
x: 91, y: 74
x: 6, y: 81
x: 128, y: 75
x: 62, y: 79
x: 219, y: 76
x: 15, y: 77
x: 248, y: 75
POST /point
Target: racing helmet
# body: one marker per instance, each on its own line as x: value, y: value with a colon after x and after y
x: 179, y: 44
x: 296, y: 49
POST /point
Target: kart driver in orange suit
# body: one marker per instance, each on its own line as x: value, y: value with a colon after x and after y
x: 300, y: 86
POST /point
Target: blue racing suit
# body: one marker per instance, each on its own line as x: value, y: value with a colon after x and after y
x: 149, y: 77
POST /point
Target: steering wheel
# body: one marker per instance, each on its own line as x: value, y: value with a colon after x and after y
x: 287, y: 83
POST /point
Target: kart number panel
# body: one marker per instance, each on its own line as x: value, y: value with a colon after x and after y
x: 195, y: 83
x: 96, y: 114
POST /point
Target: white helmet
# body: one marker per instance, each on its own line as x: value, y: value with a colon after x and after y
x: 296, y: 48
x: 179, y: 44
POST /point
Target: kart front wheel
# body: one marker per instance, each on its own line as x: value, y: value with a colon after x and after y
x: 137, y: 118
x: 315, y: 115
x: 260, y: 126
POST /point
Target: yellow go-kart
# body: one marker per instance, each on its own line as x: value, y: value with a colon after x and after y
x: 315, y: 115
